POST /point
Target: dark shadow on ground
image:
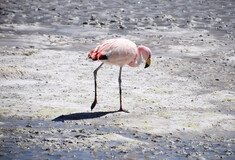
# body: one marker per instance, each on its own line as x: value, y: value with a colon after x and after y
x: 82, y: 116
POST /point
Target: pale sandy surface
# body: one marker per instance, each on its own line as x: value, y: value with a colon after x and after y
x: 181, y: 107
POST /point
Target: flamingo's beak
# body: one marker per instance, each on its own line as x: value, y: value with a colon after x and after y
x: 148, y: 62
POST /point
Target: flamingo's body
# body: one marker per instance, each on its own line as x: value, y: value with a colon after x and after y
x: 119, y: 52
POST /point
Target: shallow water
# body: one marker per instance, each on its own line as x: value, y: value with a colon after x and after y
x: 52, y: 140
x: 122, y: 16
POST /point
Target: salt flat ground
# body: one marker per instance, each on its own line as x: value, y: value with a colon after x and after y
x: 181, y: 107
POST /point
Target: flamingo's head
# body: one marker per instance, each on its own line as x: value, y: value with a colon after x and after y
x: 146, y: 53
x: 148, y: 62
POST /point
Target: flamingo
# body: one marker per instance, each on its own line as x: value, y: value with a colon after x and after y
x: 119, y: 52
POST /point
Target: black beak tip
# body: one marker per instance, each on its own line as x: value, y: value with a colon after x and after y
x: 146, y: 65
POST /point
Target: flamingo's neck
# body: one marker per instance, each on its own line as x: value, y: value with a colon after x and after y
x: 138, y: 59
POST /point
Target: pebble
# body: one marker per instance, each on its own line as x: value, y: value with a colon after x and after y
x: 29, y: 126
x: 228, y: 152
x: 93, y: 17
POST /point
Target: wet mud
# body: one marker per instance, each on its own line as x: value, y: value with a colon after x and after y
x: 73, y: 140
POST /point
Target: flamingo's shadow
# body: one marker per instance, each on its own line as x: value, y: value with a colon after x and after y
x: 82, y: 116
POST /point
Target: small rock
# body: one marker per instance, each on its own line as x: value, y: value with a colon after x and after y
x: 122, y: 26
x: 82, y: 131
x: 37, y: 133
x: 93, y: 23
x: 74, y: 130
x: 178, y: 140
x: 80, y: 136
x: 228, y: 152
x: 93, y: 17
x: 29, y: 126
x: 102, y: 23
x: 113, y: 21
x: 188, y: 155
x: 85, y: 23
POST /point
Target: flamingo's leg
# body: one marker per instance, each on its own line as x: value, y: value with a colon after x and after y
x: 120, y: 91
x: 95, y: 75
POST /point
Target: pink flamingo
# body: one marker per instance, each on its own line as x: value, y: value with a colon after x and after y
x: 119, y: 52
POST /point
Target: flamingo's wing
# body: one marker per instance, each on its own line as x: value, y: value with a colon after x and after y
x: 101, y: 51
x: 115, y: 51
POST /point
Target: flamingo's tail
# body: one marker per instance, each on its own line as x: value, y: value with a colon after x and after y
x: 96, y: 56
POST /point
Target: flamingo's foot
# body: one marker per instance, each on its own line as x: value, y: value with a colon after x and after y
x: 93, y: 104
x: 123, y: 110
